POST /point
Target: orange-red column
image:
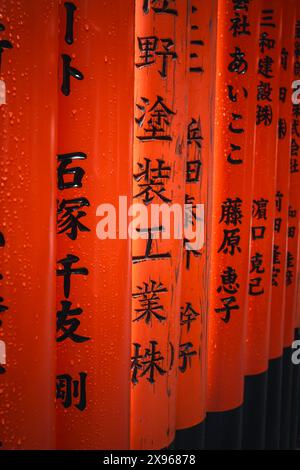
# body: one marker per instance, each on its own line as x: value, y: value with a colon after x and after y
x: 160, y: 142
x: 262, y: 233
x: 282, y: 185
x: 280, y: 230
x: 294, y: 206
x: 237, y: 35
x: 290, y: 394
x: 191, y: 398
x: 93, y: 275
x: 263, y: 209
x: 28, y: 90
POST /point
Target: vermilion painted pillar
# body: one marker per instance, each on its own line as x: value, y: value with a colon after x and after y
x: 280, y: 230
x: 93, y: 275
x: 292, y: 368
x: 237, y: 33
x: 160, y: 143
x: 262, y: 233
x: 292, y: 258
x: 28, y: 84
x: 191, y: 398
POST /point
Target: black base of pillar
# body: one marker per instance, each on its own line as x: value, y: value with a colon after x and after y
x: 255, y: 407
x: 170, y: 447
x: 287, y: 386
x: 274, y: 404
x: 223, y: 430
x: 190, y: 438
x: 298, y: 430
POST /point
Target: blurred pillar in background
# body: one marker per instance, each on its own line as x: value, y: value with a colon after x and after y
x: 280, y: 243
x: 292, y: 254
x: 294, y: 292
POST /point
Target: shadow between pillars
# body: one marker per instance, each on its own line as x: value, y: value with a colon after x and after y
x: 274, y: 390
x: 223, y: 430
x: 254, y: 413
x: 191, y: 438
